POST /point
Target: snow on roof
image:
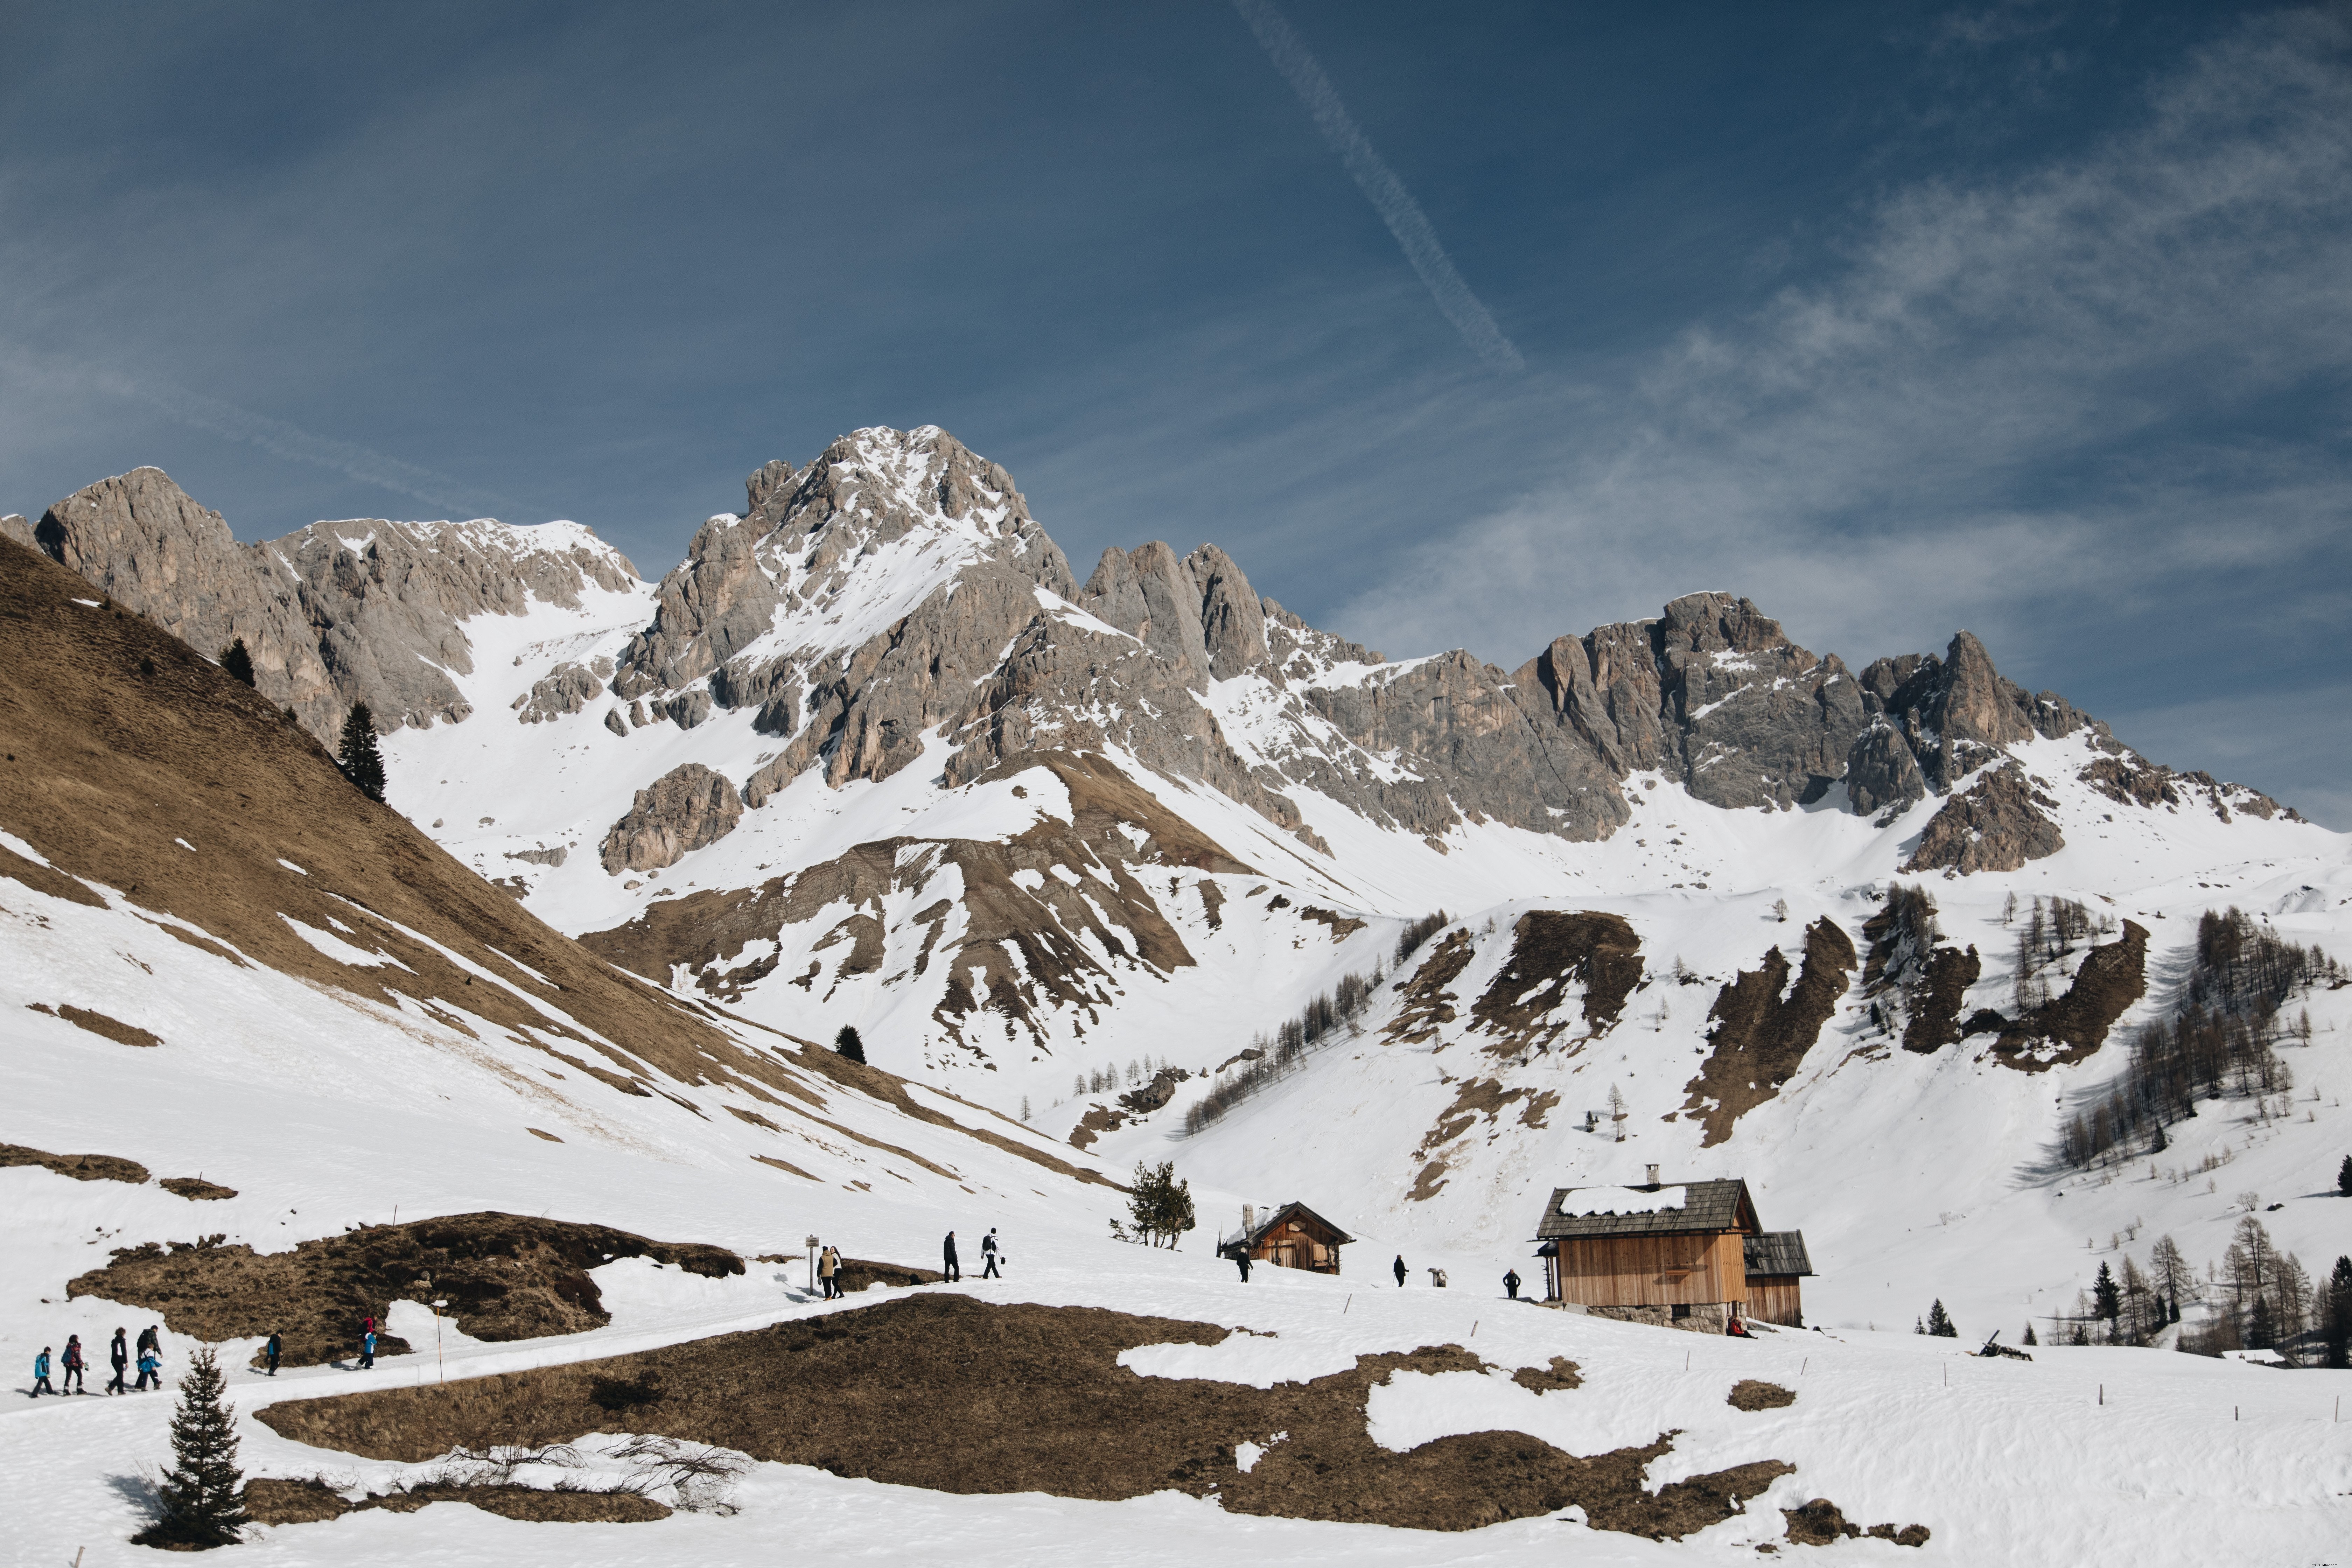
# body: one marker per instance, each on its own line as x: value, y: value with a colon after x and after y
x: 1620, y: 1200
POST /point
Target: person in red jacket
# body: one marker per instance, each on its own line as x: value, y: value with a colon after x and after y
x: 75, y: 1383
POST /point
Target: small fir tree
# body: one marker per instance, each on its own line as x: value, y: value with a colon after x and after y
x: 2344, y: 1178
x: 849, y: 1044
x: 1160, y: 1204
x: 1939, y: 1322
x: 2336, y: 1314
x: 361, y: 761
x: 238, y: 664
x: 199, y: 1505
x: 2030, y: 1337
x: 2107, y: 1302
x: 2258, y: 1335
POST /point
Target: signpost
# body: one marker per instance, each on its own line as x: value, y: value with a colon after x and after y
x: 811, y: 1262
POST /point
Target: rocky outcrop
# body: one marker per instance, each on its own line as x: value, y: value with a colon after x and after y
x: 333, y: 614
x: 1760, y: 1037
x: 684, y: 810
x: 1556, y: 953
x: 2069, y: 1027
x: 14, y: 526
x: 1955, y: 713
x: 1997, y: 825
x: 1880, y: 773
x: 566, y: 688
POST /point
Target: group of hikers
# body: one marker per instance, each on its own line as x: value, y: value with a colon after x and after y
x: 831, y: 1268
x: 148, y: 1357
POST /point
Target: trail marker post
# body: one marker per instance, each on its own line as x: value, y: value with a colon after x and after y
x: 811, y: 1262
x: 437, y: 1361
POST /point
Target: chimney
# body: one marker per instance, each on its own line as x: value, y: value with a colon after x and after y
x: 1654, y: 1176
x: 1249, y: 1216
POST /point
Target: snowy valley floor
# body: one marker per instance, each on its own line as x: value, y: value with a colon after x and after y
x: 2085, y: 1456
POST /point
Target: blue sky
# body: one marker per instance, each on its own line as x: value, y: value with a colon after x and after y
x: 2032, y: 319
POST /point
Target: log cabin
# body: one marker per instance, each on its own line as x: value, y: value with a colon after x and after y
x: 1777, y: 1262
x: 1676, y: 1255
x: 1292, y: 1237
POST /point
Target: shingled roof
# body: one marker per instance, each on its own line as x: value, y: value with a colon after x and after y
x: 1707, y: 1207
x: 1777, y: 1252
x: 1235, y: 1241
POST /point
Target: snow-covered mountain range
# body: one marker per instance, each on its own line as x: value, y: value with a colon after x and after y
x: 872, y: 755
x: 1136, y: 868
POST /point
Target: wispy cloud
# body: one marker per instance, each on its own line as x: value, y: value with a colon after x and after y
x: 1380, y: 184
x: 219, y: 417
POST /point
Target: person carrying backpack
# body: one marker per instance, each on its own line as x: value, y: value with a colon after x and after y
x: 271, y: 1350
x: 41, y: 1374
x: 988, y: 1255
x: 151, y: 1370
x: 120, y: 1354
x: 367, y: 1347
x: 826, y: 1269
x: 75, y: 1368
x: 951, y: 1271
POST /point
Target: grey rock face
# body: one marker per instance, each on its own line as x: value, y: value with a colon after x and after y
x: 1232, y: 622
x: 333, y: 614
x: 566, y: 688
x: 1997, y: 825
x: 1880, y: 771
x: 684, y: 809
x: 1150, y: 596
x: 1955, y: 712
x: 14, y: 526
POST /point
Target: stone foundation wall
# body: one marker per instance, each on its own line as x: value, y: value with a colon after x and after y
x: 1706, y: 1317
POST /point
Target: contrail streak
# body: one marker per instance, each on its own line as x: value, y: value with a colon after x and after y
x: 272, y: 436
x: 1381, y: 187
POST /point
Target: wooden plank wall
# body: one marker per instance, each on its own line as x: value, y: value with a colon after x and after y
x: 1776, y: 1298
x: 1653, y: 1270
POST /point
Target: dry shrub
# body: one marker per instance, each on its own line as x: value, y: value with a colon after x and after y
x: 1749, y: 1393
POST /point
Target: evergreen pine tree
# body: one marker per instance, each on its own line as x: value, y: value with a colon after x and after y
x: 236, y: 663
x: 2107, y: 1302
x: 2344, y: 1177
x: 2336, y: 1314
x: 1161, y: 1204
x: 199, y: 1501
x: 849, y: 1044
x: 2029, y: 1335
x: 1939, y: 1322
x: 357, y: 755
x: 2259, y: 1336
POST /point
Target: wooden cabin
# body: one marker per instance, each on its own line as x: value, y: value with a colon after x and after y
x: 1292, y: 1237
x: 1674, y: 1253
x: 1777, y: 1261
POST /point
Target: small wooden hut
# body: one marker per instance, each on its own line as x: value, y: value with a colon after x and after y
x: 1292, y: 1237
x: 1777, y: 1261
x: 1671, y: 1254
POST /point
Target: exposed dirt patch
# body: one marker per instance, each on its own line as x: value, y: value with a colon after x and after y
x: 1342, y: 927
x: 1749, y: 1393
x: 1561, y: 1373
x: 505, y: 1277
x: 951, y: 1394
x: 1550, y: 949
x: 1475, y: 1100
x: 310, y: 1502
x: 2110, y: 980
x: 783, y: 1165
x: 195, y: 1189
x: 1098, y: 1121
x: 81, y: 1167
x: 1427, y: 1003
x: 1760, y: 1037
x: 1935, y: 1013
x: 98, y: 1024
x: 1821, y: 1523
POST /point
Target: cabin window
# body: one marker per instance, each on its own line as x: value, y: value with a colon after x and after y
x: 1681, y: 1311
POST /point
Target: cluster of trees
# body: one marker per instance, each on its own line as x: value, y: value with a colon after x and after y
x: 2219, y: 1041
x: 355, y: 749
x: 2052, y: 930
x: 1103, y: 1079
x: 1409, y: 940
x: 1158, y: 1208
x: 2259, y: 1299
x: 1937, y: 1323
x: 1271, y: 1059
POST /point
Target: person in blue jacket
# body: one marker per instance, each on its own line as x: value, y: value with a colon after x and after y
x: 41, y: 1374
x: 151, y: 1370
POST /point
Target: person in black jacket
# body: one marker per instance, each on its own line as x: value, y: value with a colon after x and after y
x: 119, y: 1354
x: 1400, y: 1270
x: 74, y: 1382
x: 1511, y: 1284
x: 1241, y: 1259
x: 951, y: 1271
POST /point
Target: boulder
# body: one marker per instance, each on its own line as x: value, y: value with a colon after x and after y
x: 684, y: 810
x: 1997, y: 825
